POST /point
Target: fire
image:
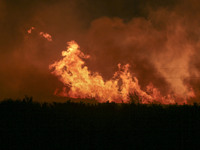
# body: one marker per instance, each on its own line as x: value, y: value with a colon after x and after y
x: 46, y: 36
x: 80, y: 82
x: 30, y: 30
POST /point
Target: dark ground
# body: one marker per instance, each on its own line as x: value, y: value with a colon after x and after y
x: 25, y: 124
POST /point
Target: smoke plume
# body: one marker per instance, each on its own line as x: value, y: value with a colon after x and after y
x: 160, y: 41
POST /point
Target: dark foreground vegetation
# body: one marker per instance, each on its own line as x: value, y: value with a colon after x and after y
x: 25, y: 124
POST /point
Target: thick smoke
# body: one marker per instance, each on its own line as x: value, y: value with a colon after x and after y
x: 162, y: 48
x: 160, y: 40
x: 160, y: 55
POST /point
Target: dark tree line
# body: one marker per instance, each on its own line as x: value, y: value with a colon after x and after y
x: 26, y: 124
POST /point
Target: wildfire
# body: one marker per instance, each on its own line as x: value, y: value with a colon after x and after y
x: 80, y: 82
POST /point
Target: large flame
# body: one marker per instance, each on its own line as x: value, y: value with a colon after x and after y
x: 80, y: 82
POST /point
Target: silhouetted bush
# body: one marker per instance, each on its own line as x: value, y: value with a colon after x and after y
x: 25, y: 124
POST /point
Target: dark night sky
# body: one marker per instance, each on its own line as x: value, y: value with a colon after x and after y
x: 148, y: 34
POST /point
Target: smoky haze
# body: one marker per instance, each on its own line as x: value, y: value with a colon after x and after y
x: 160, y: 40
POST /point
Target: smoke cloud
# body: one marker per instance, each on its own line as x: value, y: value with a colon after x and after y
x: 160, y: 41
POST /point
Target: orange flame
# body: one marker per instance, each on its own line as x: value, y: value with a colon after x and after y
x: 82, y: 83
x: 30, y: 30
x: 46, y: 36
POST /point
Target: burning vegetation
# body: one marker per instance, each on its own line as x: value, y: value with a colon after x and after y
x: 80, y: 82
x: 144, y: 48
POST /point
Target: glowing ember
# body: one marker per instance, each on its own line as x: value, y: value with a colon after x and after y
x: 30, y: 30
x: 80, y: 82
x: 46, y: 36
